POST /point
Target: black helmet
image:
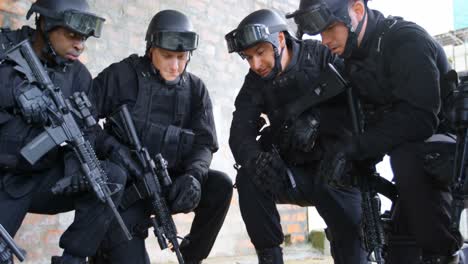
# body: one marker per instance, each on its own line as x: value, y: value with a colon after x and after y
x: 314, y: 16
x: 171, y: 30
x: 260, y: 26
x: 72, y: 14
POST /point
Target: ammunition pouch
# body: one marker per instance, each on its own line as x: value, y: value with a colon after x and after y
x: 439, y: 161
x: 177, y: 144
x: 300, y: 135
x: 173, y: 142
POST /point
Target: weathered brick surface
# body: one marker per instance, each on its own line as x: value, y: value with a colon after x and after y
x: 223, y: 73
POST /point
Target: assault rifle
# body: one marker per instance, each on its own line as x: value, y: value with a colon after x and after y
x: 369, y: 182
x: 152, y: 184
x: 459, y: 183
x: 62, y: 127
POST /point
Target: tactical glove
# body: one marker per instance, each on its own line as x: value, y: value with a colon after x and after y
x: 78, y: 184
x: 185, y: 194
x: 269, y: 173
x: 75, y: 182
x: 121, y: 155
x: 336, y: 165
x: 33, y: 103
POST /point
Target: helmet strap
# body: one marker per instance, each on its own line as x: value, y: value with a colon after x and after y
x: 277, y: 68
x: 48, y: 50
x: 353, y: 35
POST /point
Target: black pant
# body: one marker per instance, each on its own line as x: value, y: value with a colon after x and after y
x: 423, y: 211
x: 92, y: 217
x: 209, y: 217
x: 340, y: 208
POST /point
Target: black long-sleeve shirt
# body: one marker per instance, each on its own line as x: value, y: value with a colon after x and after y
x: 252, y: 99
x: 404, y: 78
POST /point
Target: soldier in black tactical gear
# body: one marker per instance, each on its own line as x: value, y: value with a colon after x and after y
x: 62, y: 27
x: 398, y: 72
x: 173, y: 115
x: 282, y: 167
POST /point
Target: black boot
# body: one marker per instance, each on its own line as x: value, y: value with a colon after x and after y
x: 68, y: 259
x: 441, y: 259
x: 272, y: 255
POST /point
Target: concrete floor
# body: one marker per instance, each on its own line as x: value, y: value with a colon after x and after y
x: 300, y: 254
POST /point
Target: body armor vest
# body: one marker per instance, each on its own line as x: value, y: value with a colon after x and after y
x: 370, y: 76
x: 294, y: 121
x: 162, y: 113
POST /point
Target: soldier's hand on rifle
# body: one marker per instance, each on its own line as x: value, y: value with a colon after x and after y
x: 336, y: 164
x: 121, y: 155
x: 33, y: 103
x: 185, y: 194
x: 76, y: 178
x: 78, y: 184
x: 268, y: 172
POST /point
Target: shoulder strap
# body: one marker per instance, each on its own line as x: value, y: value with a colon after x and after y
x: 183, y: 94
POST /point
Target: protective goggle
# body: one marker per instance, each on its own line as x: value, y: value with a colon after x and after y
x: 83, y: 23
x: 240, y: 39
x: 175, y: 41
x: 313, y: 20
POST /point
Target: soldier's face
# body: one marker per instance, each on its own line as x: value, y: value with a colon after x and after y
x: 261, y: 58
x: 66, y: 43
x: 170, y: 64
x: 334, y: 37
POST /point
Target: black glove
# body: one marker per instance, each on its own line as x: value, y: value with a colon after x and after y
x: 336, y: 165
x: 269, y: 173
x: 78, y: 184
x: 121, y: 155
x: 75, y: 181
x: 33, y: 103
x: 185, y: 194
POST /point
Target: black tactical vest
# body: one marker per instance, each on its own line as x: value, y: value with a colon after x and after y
x: 291, y: 85
x: 8, y: 37
x: 162, y: 113
x: 370, y: 76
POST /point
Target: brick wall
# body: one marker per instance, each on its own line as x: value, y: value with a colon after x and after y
x: 223, y: 73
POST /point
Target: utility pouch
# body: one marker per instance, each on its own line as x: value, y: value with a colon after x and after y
x: 439, y: 160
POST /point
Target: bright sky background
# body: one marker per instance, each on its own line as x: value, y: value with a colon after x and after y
x: 435, y: 16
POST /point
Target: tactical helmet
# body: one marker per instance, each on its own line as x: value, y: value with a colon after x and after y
x: 71, y: 14
x: 315, y: 16
x: 260, y: 26
x: 171, y: 30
